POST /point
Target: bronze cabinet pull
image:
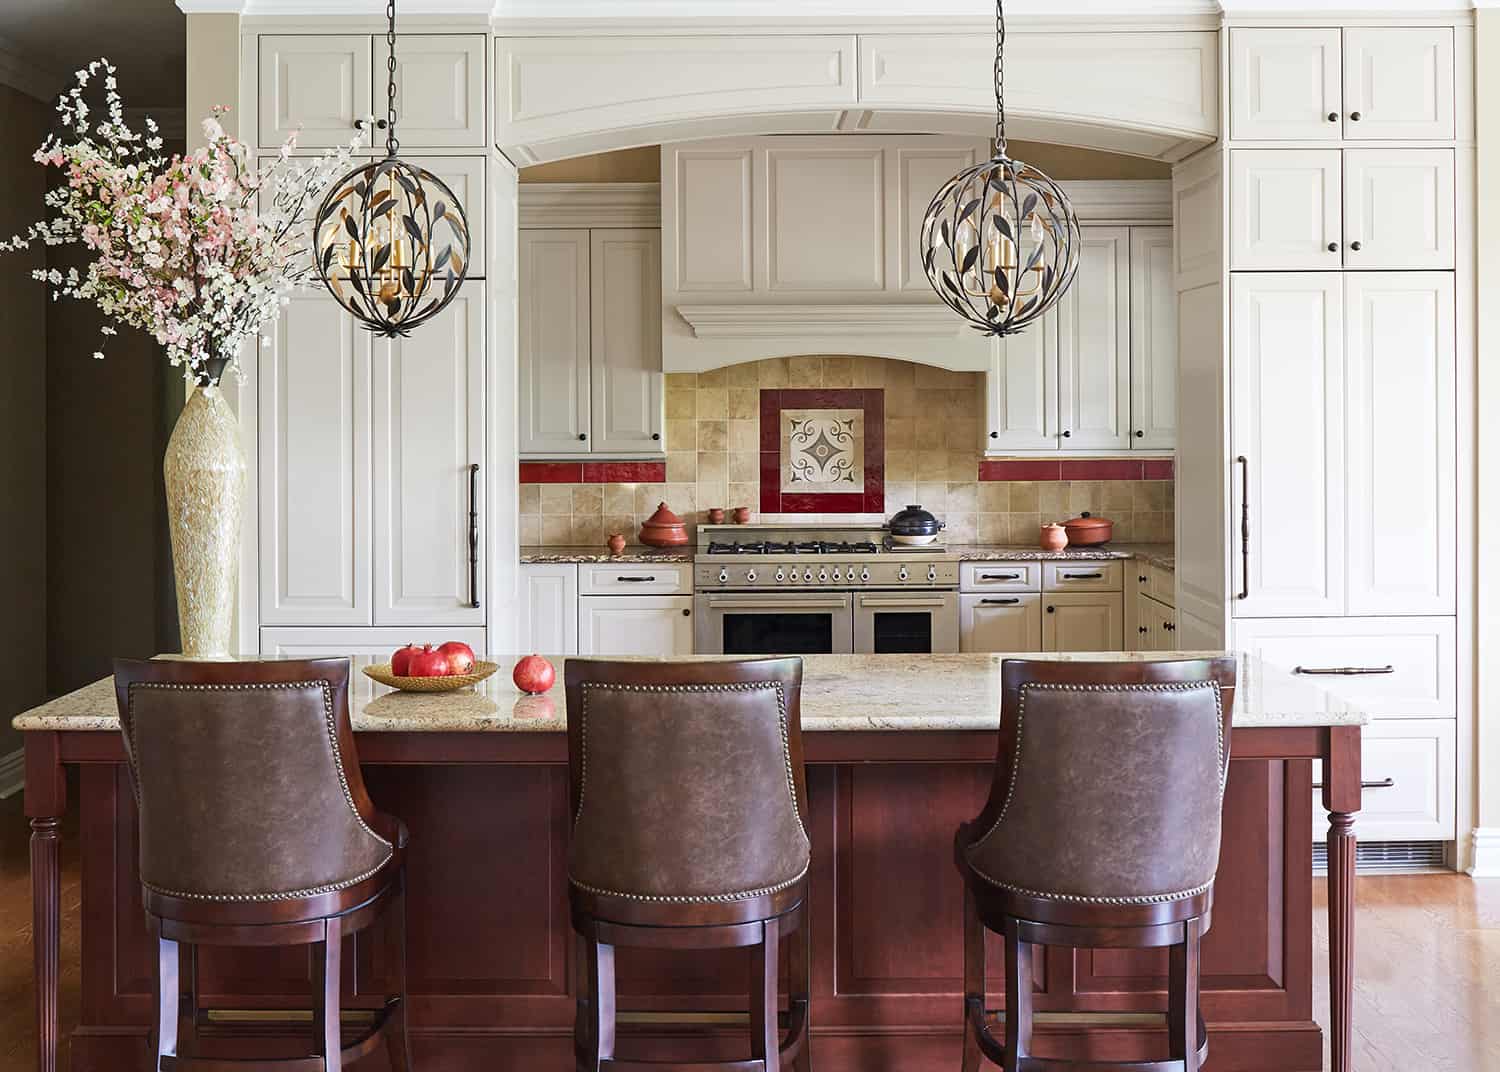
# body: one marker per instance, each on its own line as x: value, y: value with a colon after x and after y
x: 1000, y: 576
x: 1344, y: 671
x: 474, y: 534
x: 634, y: 580
x: 1082, y: 576
x: 1244, y: 464
x: 1000, y: 602
x: 1383, y: 783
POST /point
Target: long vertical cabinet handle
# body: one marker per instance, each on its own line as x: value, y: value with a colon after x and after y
x: 1244, y: 464
x: 474, y: 535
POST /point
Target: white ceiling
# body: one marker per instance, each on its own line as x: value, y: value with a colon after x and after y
x: 145, y: 39
x: 709, y: 9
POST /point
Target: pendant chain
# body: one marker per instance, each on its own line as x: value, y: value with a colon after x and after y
x: 1000, y: 146
x: 391, y: 144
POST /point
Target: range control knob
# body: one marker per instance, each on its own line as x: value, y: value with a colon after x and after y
x: 750, y: 576
x: 723, y: 576
x: 807, y: 575
x: 838, y: 574
x: 903, y: 575
x: 780, y: 574
x: 864, y: 574
x: 823, y: 576
x: 932, y: 573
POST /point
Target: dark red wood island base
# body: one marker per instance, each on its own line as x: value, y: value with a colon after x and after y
x: 492, y: 961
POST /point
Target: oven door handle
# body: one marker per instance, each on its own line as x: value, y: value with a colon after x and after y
x: 901, y: 601
x: 730, y: 603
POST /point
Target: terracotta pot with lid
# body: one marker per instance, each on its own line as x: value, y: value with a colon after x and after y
x: 1086, y: 530
x: 663, y: 529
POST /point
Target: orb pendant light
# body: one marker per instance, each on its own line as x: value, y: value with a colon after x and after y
x: 1000, y: 241
x: 391, y: 241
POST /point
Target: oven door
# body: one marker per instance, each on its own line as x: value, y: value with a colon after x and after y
x: 905, y: 622
x: 773, y: 623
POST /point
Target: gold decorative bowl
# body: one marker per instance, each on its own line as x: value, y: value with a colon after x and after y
x: 381, y: 672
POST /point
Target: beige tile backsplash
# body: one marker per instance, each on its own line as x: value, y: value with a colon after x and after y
x: 932, y: 454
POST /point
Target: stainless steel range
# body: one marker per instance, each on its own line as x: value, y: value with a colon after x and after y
x: 805, y: 590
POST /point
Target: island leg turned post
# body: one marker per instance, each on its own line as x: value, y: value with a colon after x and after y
x: 46, y: 802
x: 1341, y: 796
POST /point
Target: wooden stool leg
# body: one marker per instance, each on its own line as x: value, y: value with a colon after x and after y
x: 974, y: 982
x: 1182, y: 997
x: 398, y: 1046
x: 799, y: 986
x: 1017, y: 996
x: 329, y: 1002
x: 168, y: 990
x: 765, y: 1043
x: 600, y: 961
x: 192, y: 998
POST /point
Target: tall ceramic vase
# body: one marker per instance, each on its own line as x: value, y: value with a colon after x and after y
x: 205, y: 476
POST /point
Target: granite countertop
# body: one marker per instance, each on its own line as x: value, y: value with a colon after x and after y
x: 1160, y: 554
x: 839, y: 692
x: 533, y: 554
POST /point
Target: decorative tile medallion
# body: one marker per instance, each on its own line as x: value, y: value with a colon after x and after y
x: 822, y: 451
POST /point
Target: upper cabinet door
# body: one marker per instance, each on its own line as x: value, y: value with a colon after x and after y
x: 1021, y: 390
x: 625, y: 315
x: 1153, y: 340
x: 553, y: 274
x: 1401, y: 442
x: 316, y: 83
x: 428, y: 429
x: 1287, y: 394
x: 1284, y: 84
x: 1398, y: 208
x: 315, y: 467
x: 1398, y: 82
x: 439, y: 90
x: 464, y: 176
x: 1093, y: 345
x: 1285, y: 209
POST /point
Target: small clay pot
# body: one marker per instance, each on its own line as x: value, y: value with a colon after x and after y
x: 716, y: 516
x: 742, y: 515
x: 1054, y: 537
x: 616, y: 543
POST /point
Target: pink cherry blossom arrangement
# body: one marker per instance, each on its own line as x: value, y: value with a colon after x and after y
x: 198, y: 250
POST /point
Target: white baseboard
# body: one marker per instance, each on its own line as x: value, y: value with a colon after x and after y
x: 1486, y: 841
x: 12, y: 772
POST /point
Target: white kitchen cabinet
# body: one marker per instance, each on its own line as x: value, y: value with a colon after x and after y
x: 1410, y: 779
x: 983, y: 577
x: 439, y: 90
x: 315, y: 489
x: 427, y: 430
x: 1401, y: 450
x: 464, y: 176
x: 1287, y: 443
x: 1284, y: 84
x: 376, y: 643
x: 1398, y: 208
x: 1153, y: 339
x: 1285, y: 208
x: 315, y: 85
x: 1093, y: 345
x: 1082, y: 621
x: 635, y: 578
x: 1000, y: 622
x: 1398, y: 82
x: 1021, y: 390
x: 625, y: 339
x: 635, y: 625
x: 547, y: 609
x: 554, y: 341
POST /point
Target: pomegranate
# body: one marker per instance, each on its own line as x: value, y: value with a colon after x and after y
x: 401, y: 660
x: 533, y: 675
x: 429, y: 662
x: 459, y: 655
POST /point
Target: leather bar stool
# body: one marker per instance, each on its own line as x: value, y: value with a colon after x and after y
x: 255, y: 830
x: 688, y: 800
x: 1101, y: 831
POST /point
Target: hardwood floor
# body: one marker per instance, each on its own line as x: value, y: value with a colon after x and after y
x: 1425, y: 996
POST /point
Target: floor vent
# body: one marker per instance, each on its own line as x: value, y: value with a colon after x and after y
x: 1387, y: 857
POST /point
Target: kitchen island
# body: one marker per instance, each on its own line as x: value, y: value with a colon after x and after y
x: 899, y: 751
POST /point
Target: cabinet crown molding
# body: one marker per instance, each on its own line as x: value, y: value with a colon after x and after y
x: 762, y: 321
x: 590, y: 204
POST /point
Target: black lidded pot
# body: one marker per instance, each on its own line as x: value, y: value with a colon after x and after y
x: 914, y: 521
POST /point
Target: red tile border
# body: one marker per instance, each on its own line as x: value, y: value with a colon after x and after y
x: 1043, y: 470
x: 1158, y: 469
x: 551, y: 473
x: 624, y: 472
x: 1020, y: 470
x: 1102, y: 469
x: 870, y: 500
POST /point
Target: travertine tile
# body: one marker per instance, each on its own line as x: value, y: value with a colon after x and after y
x: 744, y: 403
x: 588, y: 499
x: 682, y: 466
x: 713, y: 403
x: 556, y: 499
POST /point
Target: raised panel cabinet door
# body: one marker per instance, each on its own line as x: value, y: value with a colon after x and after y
x: 428, y: 430
x: 1093, y: 346
x: 635, y: 625
x: 314, y: 443
x: 1083, y: 621
x: 916, y: 174
x: 824, y: 213
x: 1000, y: 622
x: 1153, y: 340
x: 1284, y: 84
x: 554, y: 340
x: 706, y: 218
x: 625, y: 327
x: 1021, y: 390
x: 1402, y: 451
x: 1140, y: 624
x: 1398, y: 208
x: 439, y: 90
x: 549, y: 608
x: 1398, y: 82
x: 317, y: 85
x: 1285, y: 209
x: 1410, y: 771
x: 464, y: 175
x: 1287, y: 444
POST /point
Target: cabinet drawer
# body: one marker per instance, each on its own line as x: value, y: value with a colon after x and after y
x: 1000, y: 623
x: 635, y: 579
x: 1410, y: 779
x: 1082, y: 576
x: 1000, y: 577
x: 1396, y: 667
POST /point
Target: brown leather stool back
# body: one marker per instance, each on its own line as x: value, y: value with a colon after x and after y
x: 687, y: 781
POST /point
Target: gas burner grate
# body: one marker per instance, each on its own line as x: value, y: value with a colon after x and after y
x: 737, y: 548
